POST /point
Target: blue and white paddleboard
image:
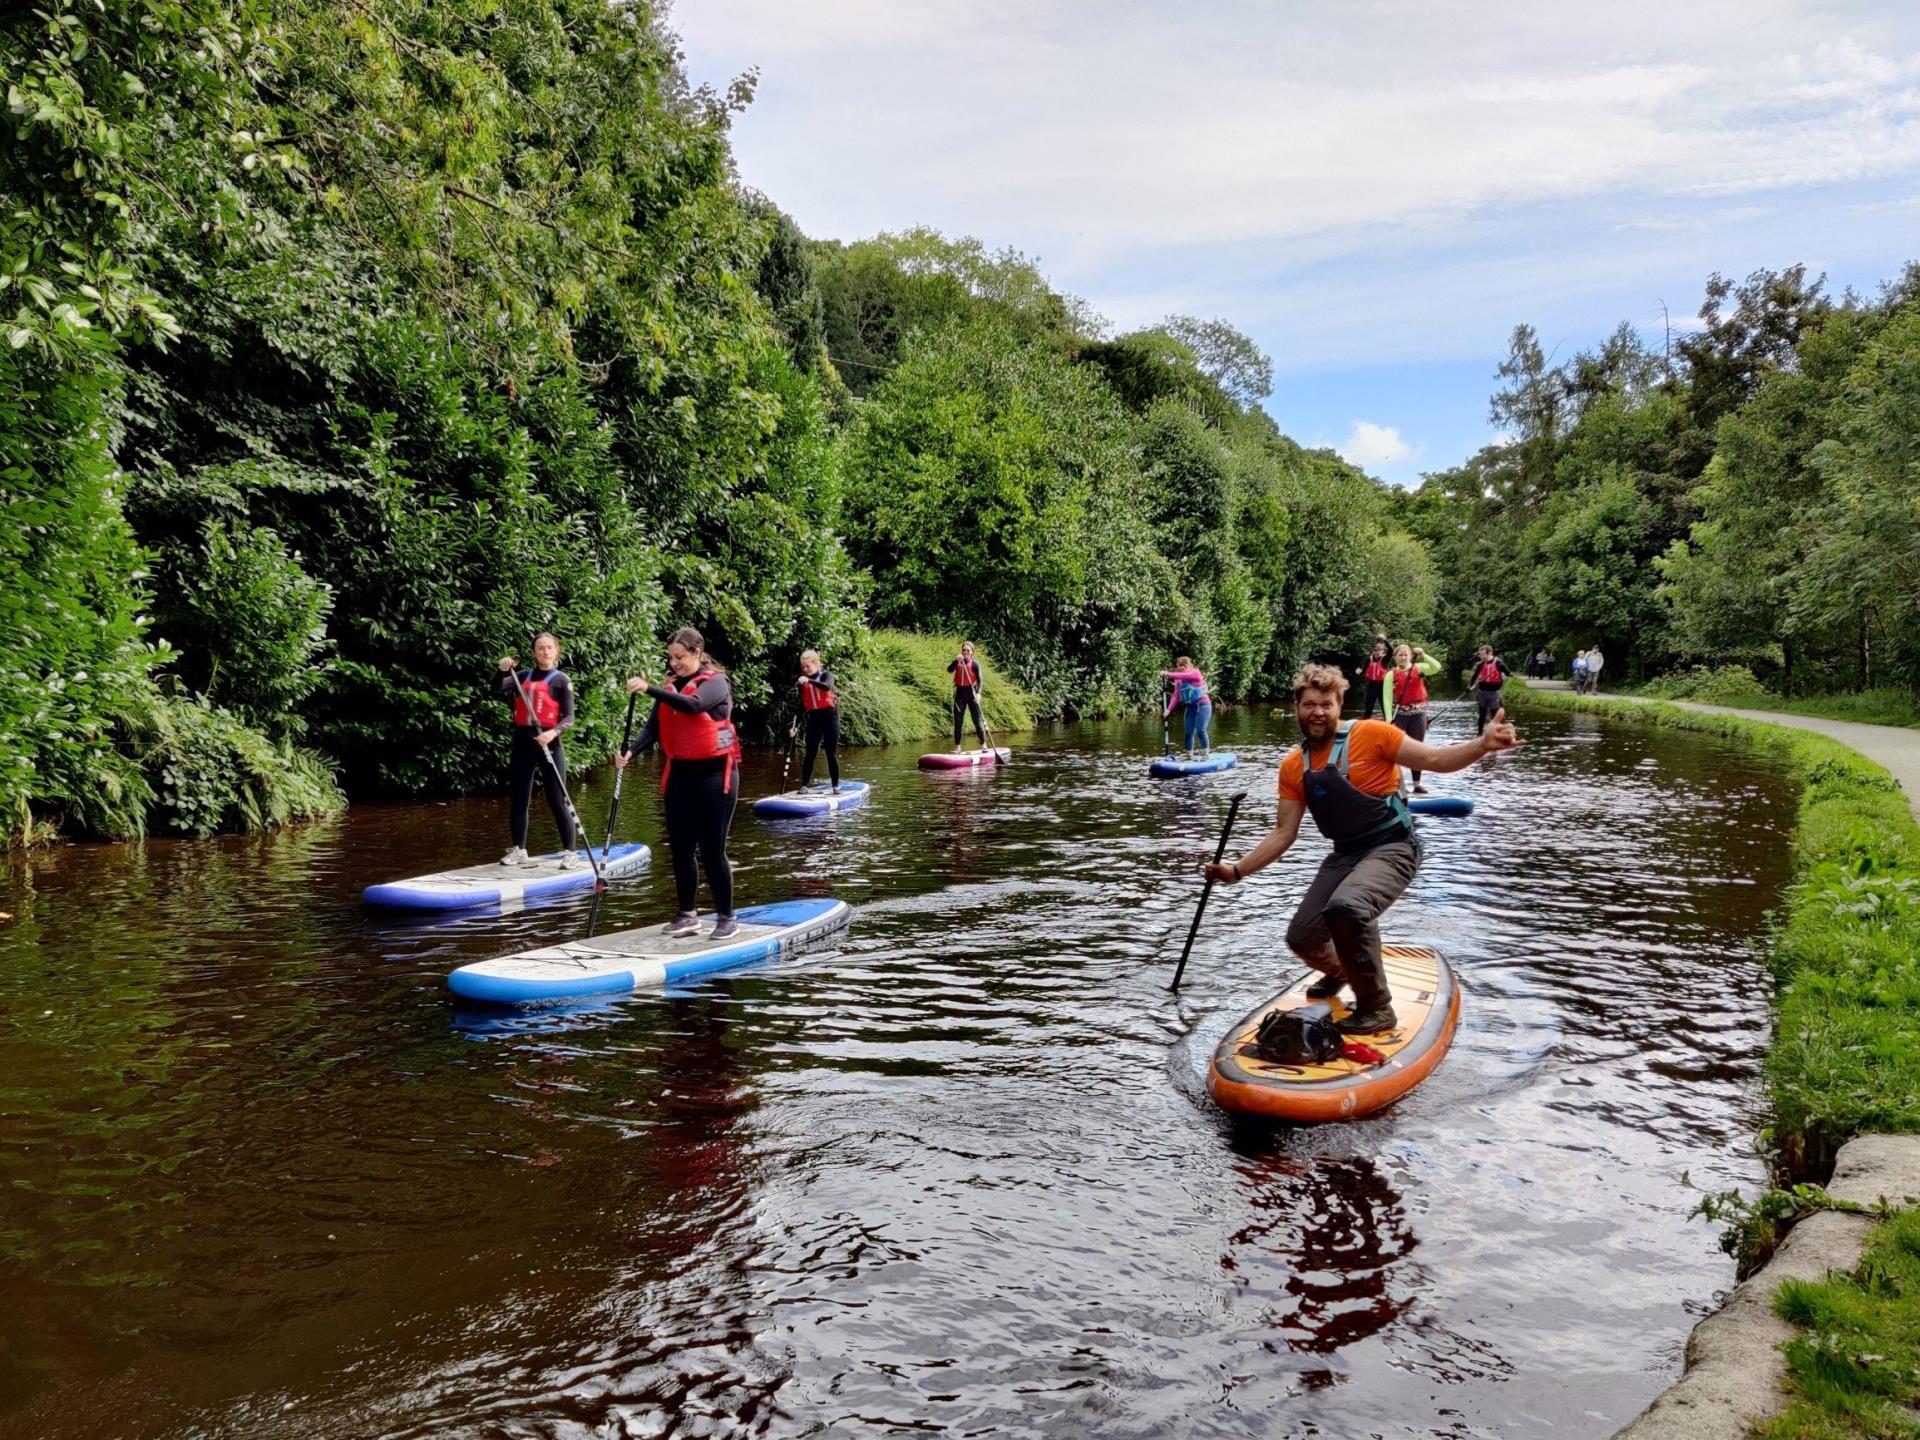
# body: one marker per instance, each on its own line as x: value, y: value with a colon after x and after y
x: 1169, y: 765
x: 646, y: 958
x: 816, y: 799
x: 498, y: 884
x: 1440, y: 805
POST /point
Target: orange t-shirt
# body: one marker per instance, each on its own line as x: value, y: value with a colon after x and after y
x: 1372, y: 748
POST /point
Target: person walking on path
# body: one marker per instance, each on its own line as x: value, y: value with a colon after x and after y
x: 1189, y: 696
x: 551, y: 695
x: 822, y: 709
x: 1489, y: 674
x: 1579, y: 672
x: 967, y: 684
x: 1595, y: 663
x: 1411, y: 668
x: 1375, y: 675
x: 1348, y: 778
x: 692, y: 721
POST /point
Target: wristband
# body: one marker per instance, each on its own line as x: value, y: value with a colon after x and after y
x: 1235, y: 867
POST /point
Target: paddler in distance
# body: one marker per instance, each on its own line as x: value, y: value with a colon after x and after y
x: 1348, y: 777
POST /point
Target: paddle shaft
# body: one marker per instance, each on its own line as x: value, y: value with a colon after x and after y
x: 579, y: 830
x: 1166, y: 720
x: 793, y: 733
x: 613, y: 818
x: 1233, y: 810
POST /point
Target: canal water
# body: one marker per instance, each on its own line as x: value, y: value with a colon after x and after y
x: 955, y: 1173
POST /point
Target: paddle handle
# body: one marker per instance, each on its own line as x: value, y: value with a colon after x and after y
x: 1233, y: 810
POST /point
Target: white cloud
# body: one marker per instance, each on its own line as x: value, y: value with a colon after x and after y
x: 1370, y: 446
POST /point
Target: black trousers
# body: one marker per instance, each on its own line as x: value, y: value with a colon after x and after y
x: 823, y: 729
x: 1414, y: 724
x: 963, y: 702
x: 699, y: 815
x: 1488, y: 702
x: 1376, y: 699
x: 527, y: 767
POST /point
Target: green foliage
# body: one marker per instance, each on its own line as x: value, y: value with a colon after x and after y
x: 1855, y: 1371
x: 896, y: 689
x: 212, y: 772
x: 1727, y: 685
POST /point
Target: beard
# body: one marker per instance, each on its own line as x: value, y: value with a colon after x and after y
x: 1318, y: 729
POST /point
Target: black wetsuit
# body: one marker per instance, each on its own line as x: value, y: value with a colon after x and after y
x: 966, y: 700
x: 700, y: 803
x: 823, y: 729
x: 1488, y: 696
x: 527, y: 764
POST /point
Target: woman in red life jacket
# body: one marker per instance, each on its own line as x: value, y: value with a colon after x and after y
x: 822, y: 710
x: 1189, y: 696
x: 692, y: 721
x: 1489, y: 674
x: 1375, y: 675
x: 967, y: 682
x: 1410, y: 697
x: 552, y: 697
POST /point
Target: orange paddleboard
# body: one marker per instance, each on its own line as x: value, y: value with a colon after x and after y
x: 1426, y: 999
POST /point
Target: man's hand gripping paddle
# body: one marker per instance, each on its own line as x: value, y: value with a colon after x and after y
x: 1233, y: 810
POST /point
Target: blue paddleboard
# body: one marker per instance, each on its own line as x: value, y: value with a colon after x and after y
x: 816, y: 799
x: 1170, y: 765
x: 647, y: 958
x: 498, y: 884
x: 1440, y: 805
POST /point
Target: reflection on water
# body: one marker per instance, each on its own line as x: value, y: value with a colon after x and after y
x: 957, y: 1172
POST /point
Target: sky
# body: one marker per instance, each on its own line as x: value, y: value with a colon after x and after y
x: 1376, y: 191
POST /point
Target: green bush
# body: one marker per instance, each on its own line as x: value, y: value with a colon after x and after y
x: 211, y: 772
x: 897, y: 689
x: 1726, y: 685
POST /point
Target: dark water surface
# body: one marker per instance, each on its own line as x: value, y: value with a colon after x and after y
x: 956, y: 1174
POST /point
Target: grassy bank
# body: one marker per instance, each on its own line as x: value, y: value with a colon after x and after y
x: 897, y: 690
x: 1736, y: 686
x: 1845, y: 955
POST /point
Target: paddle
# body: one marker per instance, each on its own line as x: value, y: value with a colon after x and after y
x: 1207, y: 889
x: 613, y: 816
x: 993, y: 749
x: 579, y: 830
x: 793, y: 733
x: 1166, y: 713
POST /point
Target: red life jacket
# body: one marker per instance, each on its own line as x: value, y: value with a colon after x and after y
x: 1376, y: 670
x: 965, y: 675
x: 546, y: 707
x: 815, y: 697
x: 1490, y: 673
x: 696, y: 737
x: 1409, y: 688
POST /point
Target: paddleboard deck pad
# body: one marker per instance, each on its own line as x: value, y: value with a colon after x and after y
x: 964, y: 759
x: 816, y: 799
x: 1171, y: 765
x: 1440, y: 805
x: 1426, y: 1000
x: 497, y: 884
x: 647, y: 958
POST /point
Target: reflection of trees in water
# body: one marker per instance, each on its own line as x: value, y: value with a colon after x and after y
x: 1323, y: 1242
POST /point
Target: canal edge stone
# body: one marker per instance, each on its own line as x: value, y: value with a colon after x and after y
x: 1734, y: 1367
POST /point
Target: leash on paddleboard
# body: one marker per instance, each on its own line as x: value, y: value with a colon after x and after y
x: 613, y: 816
x: 1219, y: 850
x: 579, y: 829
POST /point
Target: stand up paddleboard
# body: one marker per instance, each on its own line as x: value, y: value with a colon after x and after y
x: 498, y: 884
x: 816, y: 799
x: 1425, y: 998
x: 1168, y: 766
x: 964, y: 759
x: 646, y: 958
x: 1440, y: 805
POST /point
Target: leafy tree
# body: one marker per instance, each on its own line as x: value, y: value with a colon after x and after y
x: 1225, y: 356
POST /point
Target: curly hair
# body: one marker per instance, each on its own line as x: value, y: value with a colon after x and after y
x: 1319, y: 677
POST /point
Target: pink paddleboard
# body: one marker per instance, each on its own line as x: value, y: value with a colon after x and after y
x: 964, y: 759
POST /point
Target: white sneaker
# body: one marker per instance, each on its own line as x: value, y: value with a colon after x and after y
x: 571, y: 860
x: 516, y: 856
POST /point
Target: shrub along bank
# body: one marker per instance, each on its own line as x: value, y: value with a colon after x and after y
x: 897, y: 689
x: 1845, y: 955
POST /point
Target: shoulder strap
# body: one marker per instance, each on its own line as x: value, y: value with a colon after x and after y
x: 1337, y: 759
